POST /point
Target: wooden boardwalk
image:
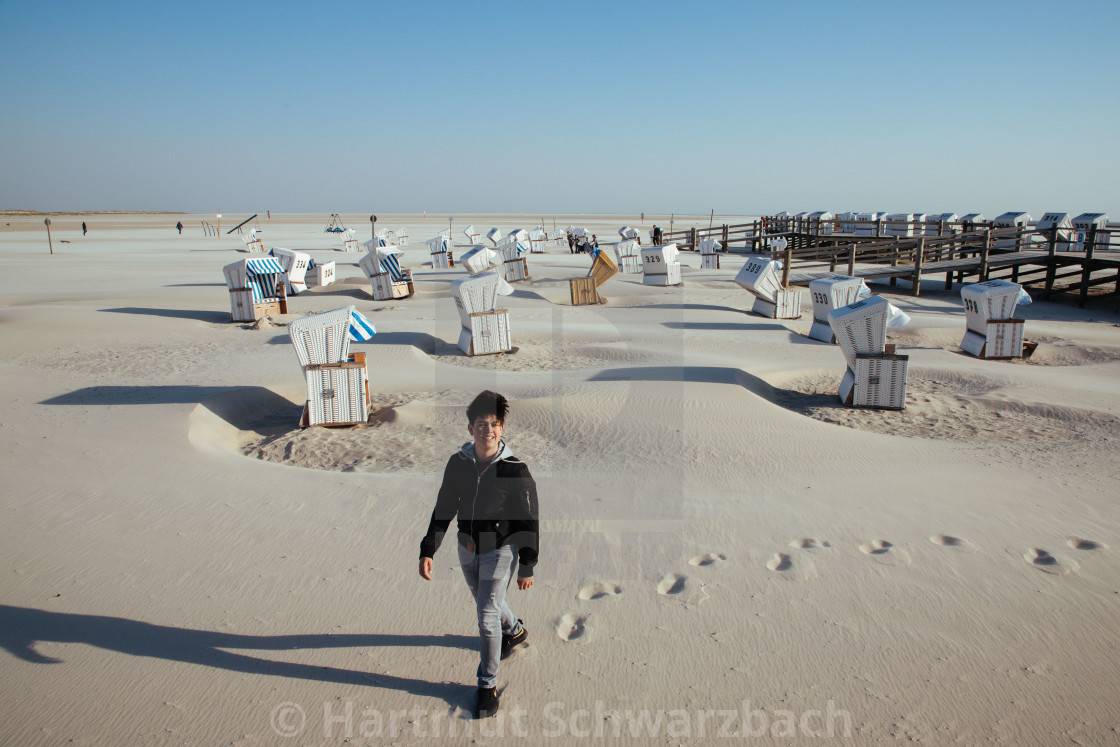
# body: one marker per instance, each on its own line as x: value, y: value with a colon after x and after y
x: 1022, y: 254
x: 1039, y: 271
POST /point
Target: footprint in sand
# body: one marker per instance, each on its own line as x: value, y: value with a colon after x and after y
x: 707, y: 559
x: 572, y: 628
x: 808, y: 543
x: 885, y: 552
x: 1044, y: 561
x: 600, y: 591
x: 779, y: 562
x: 788, y: 568
x: 953, y: 543
x: 1080, y: 543
x: 672, y: 583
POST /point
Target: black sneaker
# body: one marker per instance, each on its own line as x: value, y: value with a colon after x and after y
x: 510, y: 642
x: 487, y: 702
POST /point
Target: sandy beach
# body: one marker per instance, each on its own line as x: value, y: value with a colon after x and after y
x: 727, y: 553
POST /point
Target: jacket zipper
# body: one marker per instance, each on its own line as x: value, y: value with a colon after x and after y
x: 477, y: 485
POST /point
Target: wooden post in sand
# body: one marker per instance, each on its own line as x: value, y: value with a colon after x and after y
x: 47, y: 223
x: 373, y: 228
x: 788, y: 262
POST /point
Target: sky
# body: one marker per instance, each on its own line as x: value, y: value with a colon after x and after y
x: 597, y: 107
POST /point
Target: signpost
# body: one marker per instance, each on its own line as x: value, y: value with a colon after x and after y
x: 373, y: 227
x: 47, y: 223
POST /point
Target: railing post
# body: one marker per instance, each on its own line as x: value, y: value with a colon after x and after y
x: 852, y: 259
x: 952, y: 251
x: 984, y: 254
x: 1051, y: 262
x: 895, y: 252
x: 917, y: 283
x: 786, y: 268
x: 1087, y: 268
x: 692, y: 238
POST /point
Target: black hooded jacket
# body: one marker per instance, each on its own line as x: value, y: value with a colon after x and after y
x: 495, y: 508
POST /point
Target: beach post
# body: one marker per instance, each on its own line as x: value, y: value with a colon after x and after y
x: 47, y: 223
x: 219, y: 233
x: 373, y: 228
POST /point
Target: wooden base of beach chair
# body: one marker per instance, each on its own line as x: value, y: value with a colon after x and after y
x: 244, y: 309
x: 584, y: 292
x: 442, y: 260
x: 384, y: 288
x: 879, y: 382
x: 630, y: 265
x: 1003, y: 340
x: 672, y: 276
x: 515, y: 270
x: 709, y: 261
x: 489, y: 333
x: 788, y: 305
x: 351, y: 245
x: 337, y: 393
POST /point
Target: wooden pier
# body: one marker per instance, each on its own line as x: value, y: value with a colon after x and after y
x: 1022, y: 254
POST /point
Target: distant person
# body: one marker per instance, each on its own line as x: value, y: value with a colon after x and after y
x: 83, y: 228
x: 643, y: 217
x: 495, y: 499
x: 179, y: 226
x: 269, y: 214
x: 571, y: 243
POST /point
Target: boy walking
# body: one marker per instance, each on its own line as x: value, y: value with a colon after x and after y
x: 495, y: 499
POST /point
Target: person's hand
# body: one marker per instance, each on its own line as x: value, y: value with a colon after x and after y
x: 426, y: 569
x: 524, y: 583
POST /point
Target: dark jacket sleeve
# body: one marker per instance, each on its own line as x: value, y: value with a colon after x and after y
x: 525, y: 530
x: 447, y: 506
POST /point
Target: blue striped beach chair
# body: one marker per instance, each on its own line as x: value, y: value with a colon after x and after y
x: 257, y: 288
x: 388, y: 280
x: 337, y: 380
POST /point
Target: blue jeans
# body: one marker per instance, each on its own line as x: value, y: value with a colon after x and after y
x: 488, y: 576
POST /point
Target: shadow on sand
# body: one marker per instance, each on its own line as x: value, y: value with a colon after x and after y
x: 22, y: 628
x: 242, y: 407
x: 217, y: 317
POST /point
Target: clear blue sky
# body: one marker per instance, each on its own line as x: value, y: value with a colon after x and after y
x: 560, y: 107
